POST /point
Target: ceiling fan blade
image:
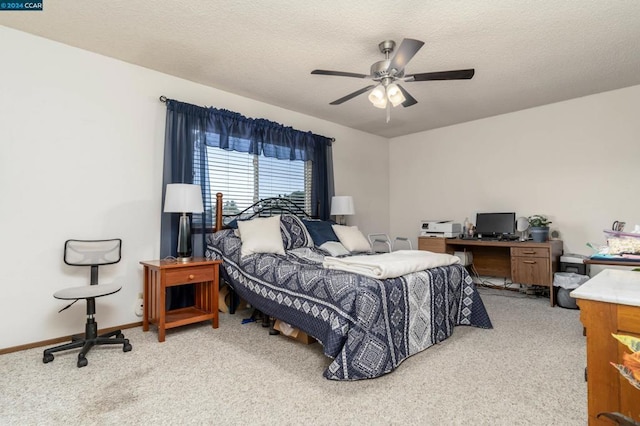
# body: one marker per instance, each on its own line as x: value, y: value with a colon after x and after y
x: 409, y: 100
x: 339, y: 73
x: 442, y: 75
x: 408, y: 48
x: 352, y: 95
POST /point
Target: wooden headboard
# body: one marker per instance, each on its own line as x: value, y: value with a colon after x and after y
x: 218, y: 223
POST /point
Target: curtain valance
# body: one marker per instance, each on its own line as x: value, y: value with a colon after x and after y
x: 233, y: 131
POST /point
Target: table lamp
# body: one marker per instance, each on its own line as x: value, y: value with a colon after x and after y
x: 342, y: 205
x: 183, y: 198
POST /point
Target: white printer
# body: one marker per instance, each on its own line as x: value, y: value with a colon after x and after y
x: 440, y: 228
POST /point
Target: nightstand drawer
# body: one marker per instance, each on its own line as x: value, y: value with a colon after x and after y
x: 529, y: 252
x: 193, y: 274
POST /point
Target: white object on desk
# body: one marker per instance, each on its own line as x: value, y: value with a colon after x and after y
x: 611, y: 286
x: 440, y: 228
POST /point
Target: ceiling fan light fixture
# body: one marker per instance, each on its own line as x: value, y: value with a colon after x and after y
x: 395, y: 95
x: 378, y: 97
x: 383, y: 92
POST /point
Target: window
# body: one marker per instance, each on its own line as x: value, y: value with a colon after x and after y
x: 245, y: 178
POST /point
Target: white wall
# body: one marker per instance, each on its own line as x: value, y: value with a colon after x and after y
x: 82, y: 141
x: 575, y: 161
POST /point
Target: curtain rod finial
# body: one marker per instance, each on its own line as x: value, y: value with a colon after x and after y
x: 163, y: 99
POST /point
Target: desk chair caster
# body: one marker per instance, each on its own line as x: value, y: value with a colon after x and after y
x: 87, y: 344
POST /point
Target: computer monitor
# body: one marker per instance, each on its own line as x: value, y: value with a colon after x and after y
x: 495, y: 224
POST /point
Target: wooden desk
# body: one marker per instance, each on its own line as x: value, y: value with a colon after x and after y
x: 523, y: 262
x: 160, y: 274
x: 609, y: 303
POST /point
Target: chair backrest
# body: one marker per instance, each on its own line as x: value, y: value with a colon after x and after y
x: 92, y: 253
x: 379, y: 239
x: 384, y: 239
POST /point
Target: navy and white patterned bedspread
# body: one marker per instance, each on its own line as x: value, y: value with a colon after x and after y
x: 367, y: 326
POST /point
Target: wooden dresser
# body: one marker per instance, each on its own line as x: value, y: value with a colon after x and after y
x: 524, y: 262
x: 609, y: 303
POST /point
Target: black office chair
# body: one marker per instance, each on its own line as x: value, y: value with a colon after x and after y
x: 92, y: 253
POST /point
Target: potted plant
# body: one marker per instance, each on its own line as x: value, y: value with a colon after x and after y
x: 539, y: 228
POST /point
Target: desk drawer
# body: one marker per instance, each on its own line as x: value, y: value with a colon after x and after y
x: 189, y: 275
x: 434, y: 244
x: 529, y: 252
x: 530, y: 270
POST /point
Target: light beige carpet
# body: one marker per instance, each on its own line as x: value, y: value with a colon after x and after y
x: 528, y: 370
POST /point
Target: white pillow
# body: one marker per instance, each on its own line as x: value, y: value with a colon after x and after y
x: 334, y: 248
x: 351, y: 238
x: 260, y: 235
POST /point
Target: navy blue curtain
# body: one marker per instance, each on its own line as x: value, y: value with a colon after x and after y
x: 190, y: 127
x: 184, y: 127
x: 322, y: 188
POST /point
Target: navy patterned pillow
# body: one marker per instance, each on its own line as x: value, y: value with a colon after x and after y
x: 294, y: 233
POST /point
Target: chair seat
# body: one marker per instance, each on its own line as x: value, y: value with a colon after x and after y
x: 87, y: 291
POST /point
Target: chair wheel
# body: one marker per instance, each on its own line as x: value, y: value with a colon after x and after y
x: 47, y: 358
x: 82, y: 362
x: 119, y: 336
x: 126, y: 347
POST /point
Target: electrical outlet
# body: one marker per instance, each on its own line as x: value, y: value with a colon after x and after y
x: 139, y: 306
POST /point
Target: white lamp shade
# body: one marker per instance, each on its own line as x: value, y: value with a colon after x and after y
x: 342, y: 205
x: 183, y: 198
x: 378, y: 97
x: 395, y: 95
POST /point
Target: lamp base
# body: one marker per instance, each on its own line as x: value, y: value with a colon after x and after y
x: 184, y: 238
x: 184, y: 259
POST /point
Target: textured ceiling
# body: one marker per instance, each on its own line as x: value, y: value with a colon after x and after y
x: 525, y: 53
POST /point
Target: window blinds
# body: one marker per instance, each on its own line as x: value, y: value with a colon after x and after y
x: 245, y: 178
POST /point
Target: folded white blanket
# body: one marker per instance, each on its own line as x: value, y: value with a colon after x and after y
x: 390, y: 265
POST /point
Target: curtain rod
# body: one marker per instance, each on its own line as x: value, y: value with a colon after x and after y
x: 163, y: 99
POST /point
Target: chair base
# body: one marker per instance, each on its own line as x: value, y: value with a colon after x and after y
x: 88, y: 341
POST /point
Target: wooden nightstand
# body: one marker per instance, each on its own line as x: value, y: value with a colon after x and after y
x: 160, y: 274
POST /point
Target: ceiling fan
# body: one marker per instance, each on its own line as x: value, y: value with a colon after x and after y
x: 387, y: 71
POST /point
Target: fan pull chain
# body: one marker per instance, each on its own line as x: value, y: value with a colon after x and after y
x: 388, y: 111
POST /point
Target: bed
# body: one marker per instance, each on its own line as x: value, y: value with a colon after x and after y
x: 367, y: 326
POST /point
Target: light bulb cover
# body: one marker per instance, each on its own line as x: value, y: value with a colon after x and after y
x: 378, y: 97
x: 395, y: 95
